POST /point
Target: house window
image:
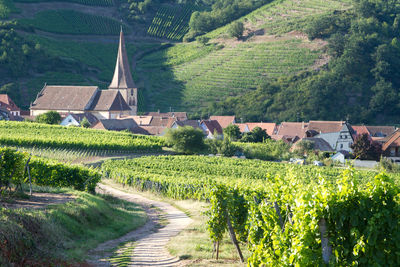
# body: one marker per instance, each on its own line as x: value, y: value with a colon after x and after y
x: 341, y: 145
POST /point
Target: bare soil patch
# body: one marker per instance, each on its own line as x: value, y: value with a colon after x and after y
x: 39, y: 201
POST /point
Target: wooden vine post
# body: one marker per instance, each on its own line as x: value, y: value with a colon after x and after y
x: 233, y: 235
x: 326, y: 248
x: 29, y: 175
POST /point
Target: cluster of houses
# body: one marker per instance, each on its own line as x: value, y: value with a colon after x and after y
x: 116, y: 109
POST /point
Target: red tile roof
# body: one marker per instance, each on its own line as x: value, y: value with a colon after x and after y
x: 178, y: 115
x: 242, y: 127
x: 292, y: 129
x: 326, y: 126
x: 393, y: 141
x: 212, y: 126
x: 6, y: 102
x: 224, y: 121
x: 270, y: 128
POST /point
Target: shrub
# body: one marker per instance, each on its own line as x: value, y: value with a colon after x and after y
x: 50, y: 117
x: 186, y: 139
x: 232, y: 132
x: 202, y: 40
x: 236, y: 29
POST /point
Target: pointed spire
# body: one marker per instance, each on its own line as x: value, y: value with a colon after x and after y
x: 122, y: 74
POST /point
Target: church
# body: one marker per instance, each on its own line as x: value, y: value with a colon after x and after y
x: 120, y: 99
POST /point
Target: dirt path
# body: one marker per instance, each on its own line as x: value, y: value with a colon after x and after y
x: 150, y: 243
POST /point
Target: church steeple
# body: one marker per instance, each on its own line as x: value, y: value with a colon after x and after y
x: 122, y: 75
x: 122, y: 80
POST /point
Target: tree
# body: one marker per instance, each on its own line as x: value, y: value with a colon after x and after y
x: 186, y: 139
x: 202, y: 40
x: 364, y: 148
x: 232, y: 132
x: 257, y: 135
x: 304, y: 147
x: 50, y: 117
x: 85, y: 123
x: 236, y: 29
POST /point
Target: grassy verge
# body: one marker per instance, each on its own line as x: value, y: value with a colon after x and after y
x: 193, y: 244
x: 63, y: 234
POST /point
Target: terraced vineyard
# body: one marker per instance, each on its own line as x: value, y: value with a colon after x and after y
x: 73, y: 22
x: 83, y: 2
x: 282, y: 16
x: 218, y: 73
x: 189, y: 77
x: 171, y: 22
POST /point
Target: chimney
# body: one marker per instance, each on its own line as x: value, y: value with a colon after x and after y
x: 302, y: 125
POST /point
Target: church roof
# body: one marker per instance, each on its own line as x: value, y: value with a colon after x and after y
x: 122, y: 74
x: 109, y: 100
x: 64, y: 97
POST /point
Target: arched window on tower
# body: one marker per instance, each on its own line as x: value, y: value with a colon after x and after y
x: 131, y: 92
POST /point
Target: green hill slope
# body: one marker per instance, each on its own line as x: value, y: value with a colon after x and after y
x: 182, y: 76
x: 190, y: 77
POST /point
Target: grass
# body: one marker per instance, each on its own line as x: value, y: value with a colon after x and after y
x: 73, y: 22
x: 193, y: 243
x: 122, y: 256
x: 83, y: 2
x: 64, y: 233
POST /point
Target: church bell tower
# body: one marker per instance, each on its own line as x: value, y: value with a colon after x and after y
x: 122, y: 80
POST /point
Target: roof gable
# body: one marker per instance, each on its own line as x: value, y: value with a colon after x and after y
x: 109, y: 100
x: 212, y: 126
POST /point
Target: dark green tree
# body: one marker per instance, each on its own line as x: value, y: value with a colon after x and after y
x: 364, y: 148
x: 50, y: 117
x: 232, y: 132
x: 202, y: 40
x: 186, y: 139
x: 236, y: 29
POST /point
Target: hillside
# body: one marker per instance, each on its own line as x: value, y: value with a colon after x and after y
x: 80, y: 35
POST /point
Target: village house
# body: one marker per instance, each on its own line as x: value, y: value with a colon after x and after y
x: 118, y: 100
x: 212, y: 129
x: 290, y: 132
x: 269, y: 127
x: 76, y: 119
x: 243, y: 128
x: 338, y: 134
x: 391, y: 148
x: 224, y: 121
x: 6, y: 103
x: 118, y: 125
